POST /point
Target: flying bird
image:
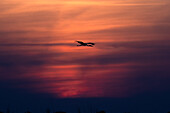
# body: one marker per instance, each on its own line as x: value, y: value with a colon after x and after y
x: 90, y: 44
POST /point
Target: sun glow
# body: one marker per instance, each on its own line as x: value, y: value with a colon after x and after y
x: 37, y: 41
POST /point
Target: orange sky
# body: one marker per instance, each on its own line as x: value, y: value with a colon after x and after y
x: 124, y: 31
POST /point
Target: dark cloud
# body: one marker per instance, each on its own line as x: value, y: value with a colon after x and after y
x: 141, y: 44
x: 147, y: 65
x: 151, y: 31
x: 18, y: 70
x: 50, y: 44
x: 125, y: 56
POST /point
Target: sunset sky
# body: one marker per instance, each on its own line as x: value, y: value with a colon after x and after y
x: 131, y: 59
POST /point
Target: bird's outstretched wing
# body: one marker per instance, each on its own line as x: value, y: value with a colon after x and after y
x: 91, y: 43
x: 80, y: 42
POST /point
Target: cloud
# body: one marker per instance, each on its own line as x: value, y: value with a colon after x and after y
x: 131, y: 49
x: 150, y: 30
x: 45, y: 44
x: 99, y: 3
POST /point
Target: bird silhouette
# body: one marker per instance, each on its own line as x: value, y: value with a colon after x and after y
x: 90, y: 44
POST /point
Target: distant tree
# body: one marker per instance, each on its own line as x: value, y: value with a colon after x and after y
x: 8, y: 110
x: 60, y: 112
x: 27, y: 111
x: 79, y: 110
x: 48, y: 110
x: 101, y: 111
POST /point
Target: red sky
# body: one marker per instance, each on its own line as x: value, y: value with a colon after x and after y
x: 132, y: 44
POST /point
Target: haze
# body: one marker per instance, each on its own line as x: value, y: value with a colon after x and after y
x: 39, y: 55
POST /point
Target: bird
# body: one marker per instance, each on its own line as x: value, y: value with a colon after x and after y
x: 90, y: 44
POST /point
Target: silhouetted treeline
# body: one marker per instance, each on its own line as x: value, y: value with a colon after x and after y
x: 79, y: 111
x: 47, y: 111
